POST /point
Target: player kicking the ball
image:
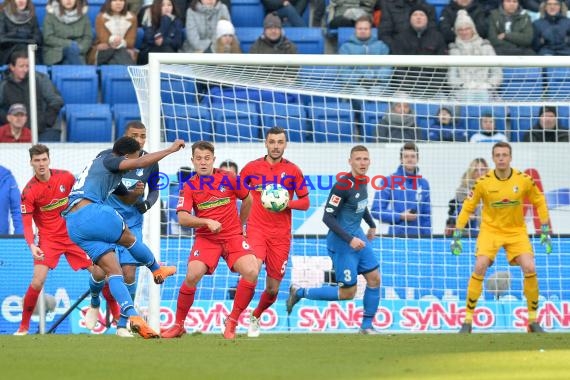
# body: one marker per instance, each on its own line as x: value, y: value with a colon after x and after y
x: 503, y: 192
x: 349, y: 248
x: 269, y: 233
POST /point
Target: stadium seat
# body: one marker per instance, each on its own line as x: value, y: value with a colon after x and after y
x: 176, y: 89
x: 522, y: 118
x: 307, y: 40
x: 116, y: 85
x: 235, y: 121
x: 89, y: 123
x: 247, y: 36
x: 438, y: 5
x: 40, y: 9
x: 291, y: 117
x: 40, y: 69
x: 247, y: 13
x: 78, y: 84
x: 333, y: 121
x: 472, y: 115
x: 522, y: 83
x: 123, y: 113
x: 372, y: 113
x: 93, y: 10
x: 558, y: 83
x: 187, y: 122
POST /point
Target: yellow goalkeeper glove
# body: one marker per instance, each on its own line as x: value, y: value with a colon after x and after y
x: 545, y: 238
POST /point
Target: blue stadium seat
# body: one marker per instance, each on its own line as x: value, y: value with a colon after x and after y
x: 473, y: 115
x: 372, y: 113
x: 247, y: 13
x: 78, y: 84
x: 40, y: 8
x: 93, y: 10
x: 247, y: 36
x: 307, y: 40
x: 438, y: 5
x: 187, y: 122
x: 178, y: 90
x: 333, y: 121
x: 522, y: 119
x: 563, y: 113
x: 558, y: 83
x: 522, y: 83
x: 116, y: 85
x: 236, y: 121
x: 292, y: 117
x: 39, y: 69
x: 123, y: 113
x: 89, y: 123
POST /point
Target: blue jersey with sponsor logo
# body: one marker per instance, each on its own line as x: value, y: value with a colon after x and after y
x: 347, y: 203
x: 98, y: 180
x: 130, y: 214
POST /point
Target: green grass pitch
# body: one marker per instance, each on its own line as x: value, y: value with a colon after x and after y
x: 288, y: 356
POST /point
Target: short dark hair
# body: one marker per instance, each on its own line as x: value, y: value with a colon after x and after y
x: 135, y: 124
x: 229, y: 164
x: 38, y: 149
x: 17, y: 54
x: 409, y: 146
x: 276, y: 131
x: 126, y: 145
x: 202, y: 145
x: 366, y: 18
x: 502, y: 144
x: 358, y: 148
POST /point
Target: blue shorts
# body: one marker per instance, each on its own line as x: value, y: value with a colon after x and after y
x: 125, y: 257
x: 349, y: 263
x: 95, y: 228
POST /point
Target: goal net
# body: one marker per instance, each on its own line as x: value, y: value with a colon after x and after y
x: 452, y: 107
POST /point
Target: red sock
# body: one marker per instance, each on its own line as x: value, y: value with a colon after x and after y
x: 112, y: 304
x: 265, y: 302
x: 244, y: 293
x: 30, y: 301
x: 184, y: 303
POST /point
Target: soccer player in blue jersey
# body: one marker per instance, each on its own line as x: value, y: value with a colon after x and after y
x: 132, y: 214
x: 96, y: 227
x: 348, y: 246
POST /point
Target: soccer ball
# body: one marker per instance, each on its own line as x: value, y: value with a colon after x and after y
x: 274, y: 197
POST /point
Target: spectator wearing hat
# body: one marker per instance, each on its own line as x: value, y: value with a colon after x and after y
x: 201, y: 22
x: 396, y: 18
x: 546, y: 129
x: 449, y: 14
x: 420, y: 38
x: 226, y: 40
x: 290, y: 11
x: 15, y: 131
x: 163, y: 30
x: 472, y: 83
x: 510, y: 30
x: 551, y: 31
x: 273, y: 40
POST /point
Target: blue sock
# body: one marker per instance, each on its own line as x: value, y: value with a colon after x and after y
x: 325, y: 293
x: 121, y: 294
x: 132, y: 288
x: 143, y: 255
x: 95, y: 288
x: 122, y: 322
x: 370, y: 301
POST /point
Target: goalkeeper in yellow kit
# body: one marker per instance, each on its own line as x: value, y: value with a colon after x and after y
x: 503, y: 192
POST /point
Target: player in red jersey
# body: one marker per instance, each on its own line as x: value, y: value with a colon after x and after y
x: 43, y: 199
x: 269, y: 233
x: 211, y: 195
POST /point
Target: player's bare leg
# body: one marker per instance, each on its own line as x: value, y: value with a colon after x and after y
x: 31, y: 298
x: 247, y: 267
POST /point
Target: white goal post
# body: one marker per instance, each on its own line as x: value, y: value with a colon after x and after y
x: 526, y: 84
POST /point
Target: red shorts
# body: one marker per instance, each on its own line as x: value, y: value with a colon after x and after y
x: 53, y: 249
x: 209, y: 251
x: 274, y: 252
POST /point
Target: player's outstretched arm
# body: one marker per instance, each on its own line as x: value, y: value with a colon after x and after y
x: 151, y: 158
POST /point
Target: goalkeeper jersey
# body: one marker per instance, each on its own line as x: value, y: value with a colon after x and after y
x: 503, y: 202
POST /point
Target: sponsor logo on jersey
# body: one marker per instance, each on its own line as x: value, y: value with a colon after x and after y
x: 505, y: 203
x: 213, y: 203
x: 335, y: 200
x: 139, y: 172
x: 61, y: 188
x: 129, y: 182
x: 361, y: 205
x: 56, y: 203
x: 357, y: 195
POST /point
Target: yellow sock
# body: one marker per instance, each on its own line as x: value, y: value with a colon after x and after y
x: 474, y: 290
x: 531, y: 294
